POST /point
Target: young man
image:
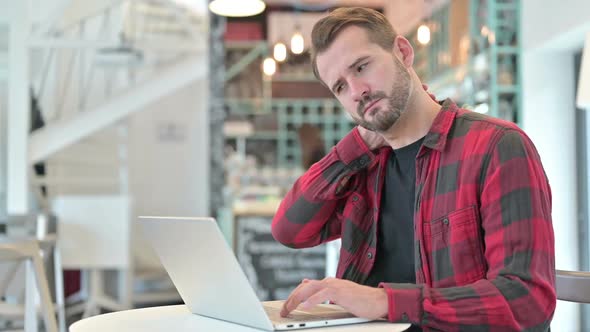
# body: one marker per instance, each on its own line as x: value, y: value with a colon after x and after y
x: 444, y: 214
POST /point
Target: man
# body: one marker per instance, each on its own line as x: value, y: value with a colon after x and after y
x: 444, y: 214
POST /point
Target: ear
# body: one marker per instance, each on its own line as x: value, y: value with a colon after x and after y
x: 403, y: 49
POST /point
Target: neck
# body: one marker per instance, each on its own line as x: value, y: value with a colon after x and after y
x: 416, y: 121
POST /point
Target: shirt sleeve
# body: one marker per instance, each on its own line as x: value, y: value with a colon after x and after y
x: 308, y: 214
x: 518, y: 290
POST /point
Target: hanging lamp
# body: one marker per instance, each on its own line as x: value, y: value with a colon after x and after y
x: 237, y: 8
x: 297, y: 41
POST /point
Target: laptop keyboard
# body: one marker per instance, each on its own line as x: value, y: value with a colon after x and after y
x: 296, y: 316
x: 318, y: 313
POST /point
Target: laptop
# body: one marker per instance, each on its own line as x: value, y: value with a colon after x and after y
x: 211, y: 282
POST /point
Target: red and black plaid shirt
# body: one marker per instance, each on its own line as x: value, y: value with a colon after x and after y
x: 484, y: 244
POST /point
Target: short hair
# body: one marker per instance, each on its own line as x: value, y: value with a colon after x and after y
x: 380, y: 31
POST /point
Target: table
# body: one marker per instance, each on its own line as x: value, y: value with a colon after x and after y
x: 179, y: 318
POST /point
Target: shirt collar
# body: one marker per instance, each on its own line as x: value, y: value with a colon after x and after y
x: 436, y: 138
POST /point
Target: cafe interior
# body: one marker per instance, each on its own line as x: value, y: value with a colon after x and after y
x: 114, y: 109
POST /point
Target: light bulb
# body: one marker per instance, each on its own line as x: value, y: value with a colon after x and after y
x: 482, y: 108
x: 297, y: 43
x: 423, y: 34
x: 237, y: 8
x: 280, y: 52
x: 269, y: 66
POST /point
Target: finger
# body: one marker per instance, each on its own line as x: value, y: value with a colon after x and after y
x: 321, y: 296
x: 301, y: 285
x: 303, y: 291
x: 294, y: 299
x: 284, y: 311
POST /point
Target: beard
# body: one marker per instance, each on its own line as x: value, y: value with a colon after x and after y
x: 397, y: 102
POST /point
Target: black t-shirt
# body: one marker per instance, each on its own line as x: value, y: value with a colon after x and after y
x: 394, y: 261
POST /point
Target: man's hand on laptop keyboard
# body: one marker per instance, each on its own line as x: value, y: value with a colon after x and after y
x: 361, y: 301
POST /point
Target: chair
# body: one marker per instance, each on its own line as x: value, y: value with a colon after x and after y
x: 94, y: 236
x: 47, y: 238
x: 573, y: 286
x: 13, y: 284
x: 28, y: 251
x: 48, y: 245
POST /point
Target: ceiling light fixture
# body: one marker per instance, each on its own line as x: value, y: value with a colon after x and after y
x: 237, y: 8
x: 297, y: 43
x: 280, y: 52
x: 424, y: 34
x: 269, y: 66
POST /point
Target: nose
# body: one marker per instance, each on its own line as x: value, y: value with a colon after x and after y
x: 359, y: 89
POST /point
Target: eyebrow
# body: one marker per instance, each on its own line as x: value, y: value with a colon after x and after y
x: 354, y: 64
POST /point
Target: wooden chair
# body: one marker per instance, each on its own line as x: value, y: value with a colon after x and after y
x: 28, y: 250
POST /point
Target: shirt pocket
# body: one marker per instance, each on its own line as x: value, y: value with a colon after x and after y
x: 354, y: 223
x: 357, y: 232
x: 454, y: 248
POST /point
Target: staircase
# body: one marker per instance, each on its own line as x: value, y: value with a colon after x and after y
x: 95, y: 64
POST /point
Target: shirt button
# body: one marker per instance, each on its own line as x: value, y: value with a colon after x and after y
x: 355, y: 198
x: 446, y: 221
x: 370, y: 255
x: 405, y: 317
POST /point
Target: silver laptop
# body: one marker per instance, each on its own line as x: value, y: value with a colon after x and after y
x: 211, y: 282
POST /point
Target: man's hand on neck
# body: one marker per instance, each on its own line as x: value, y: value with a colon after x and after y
x: 373, y: 139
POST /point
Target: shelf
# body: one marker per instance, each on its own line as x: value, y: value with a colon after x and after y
x: 248, y: 106
x: 243, y: 45
x: 294, y: 77
x: 265, y: 135
x: 242, y: 208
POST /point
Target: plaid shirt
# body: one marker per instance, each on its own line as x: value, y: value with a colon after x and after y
x: 484, y: 244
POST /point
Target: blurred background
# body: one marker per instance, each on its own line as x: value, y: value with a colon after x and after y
x: 111, y: 109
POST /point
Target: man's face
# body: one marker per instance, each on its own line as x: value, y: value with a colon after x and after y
x: 370, y: 82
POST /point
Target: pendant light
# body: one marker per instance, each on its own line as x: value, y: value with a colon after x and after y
x: 237, y: 8
x: 297, y: 42
x: 280, y: 52
x: 424, y: 34
x: 269, y: 66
